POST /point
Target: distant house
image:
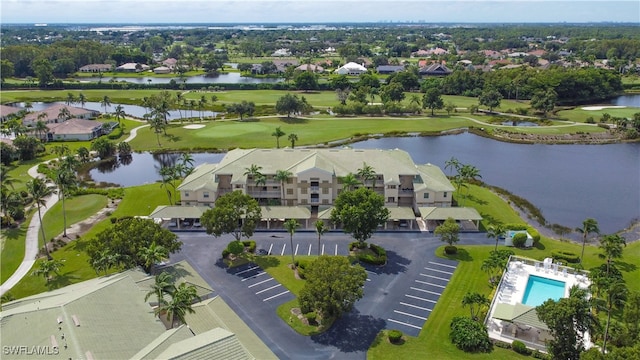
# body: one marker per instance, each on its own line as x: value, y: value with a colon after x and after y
x: 389, y: 69
x: 491, y: 54
x: 75, y: 129
x: 282, y: 65
x: 281, y: 52
x: 6, y: 112
x: 310, y: 67
x: 435, y: 70
x: 52, y: 114
x: 170, y: 63
x: 351, y: 68
x: 132, y: 67
x: 96, y: 68
x: 162, y: 70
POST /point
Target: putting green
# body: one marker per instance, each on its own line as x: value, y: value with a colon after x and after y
x: 225, y: 130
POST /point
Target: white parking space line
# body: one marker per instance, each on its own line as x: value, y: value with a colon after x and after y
x: 322, y: 249
x: 270, y: 247
x: 440, y: 271
x: 336, y: 250
x: 254, y: 276
x: 425, y: 291
x: 296, y: 252
x: 435, y: 277
x: 267, y: 289
x: 415, y: 306
x: 309, y: 253
x: 284, y: 246
x: 419, y: 298
x: 275, y: 296
x: 428, y: 283
x: 261, y: 282
x: 246, y: 270
x: 407, y: 314
x: 405, y: 324
x: 445, y: 265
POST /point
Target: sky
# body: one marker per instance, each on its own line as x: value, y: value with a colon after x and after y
x: 318, y: 11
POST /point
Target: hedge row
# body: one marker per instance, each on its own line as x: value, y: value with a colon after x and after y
x: 565, y: 256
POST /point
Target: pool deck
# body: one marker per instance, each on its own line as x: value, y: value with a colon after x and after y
x: 511, y: 290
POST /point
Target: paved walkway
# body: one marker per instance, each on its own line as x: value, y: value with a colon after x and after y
x: 31, y: 240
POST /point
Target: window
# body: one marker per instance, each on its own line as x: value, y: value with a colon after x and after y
x: 186, y: 194
x: 215, y: 179
x: 445, y: 194
x: 426, y: 195
x: 391, y: 199
x: 303, y: 190
x: 205, y: 194
x: 289, y: 181
x: 289, y: 191
x: 391, y: 186
x: 325, y: 191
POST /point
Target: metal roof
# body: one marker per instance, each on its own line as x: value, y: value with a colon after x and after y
x: 174, y: 212
x: 285, y: 212
x: 443, y: 213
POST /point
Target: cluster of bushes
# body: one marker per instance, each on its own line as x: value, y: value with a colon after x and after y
x: 566, y: 256
x: 395, y: 336
x: 469, y: 335
x: 519, y: 240
x: 302, y: 266
x: 238, y: 247
x: 113, y: 193
x: 115, y: 134
x: 530, y: 230
x: 377, y: 255
x: 520, y: 348
x: 115, y: 219
x: 358, y: 108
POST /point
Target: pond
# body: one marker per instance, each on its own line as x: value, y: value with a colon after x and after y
x: 569, y: 183
x: 631, y: 100
x: 227, y: 78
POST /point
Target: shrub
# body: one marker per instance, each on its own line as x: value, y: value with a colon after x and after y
x: 235, y: 247
x: 469, y: 335
x: 357, y: 245
x: 540, y: 355
x: 394, y: 336
x: 519, y: 240
x: 115, y: 134
x: 250, y: 245
x: 301, y: 266
x: 502, y: 344
x: 516, y: 227
x: 520, y: 348
x: 534, y: 234
x: 450, y: 250
x: 604, y: 126
x: 225, y: 253
x: 565, y: 256
x: 590, y: 120
x: 311, y: 318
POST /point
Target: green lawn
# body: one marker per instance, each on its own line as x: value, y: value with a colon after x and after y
x: 580, y: 115
x: 76, y: 268
x: 77, y: 209
x: 12, y: 252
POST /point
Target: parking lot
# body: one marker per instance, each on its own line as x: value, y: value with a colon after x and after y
x: 261, y: 284
x: 420, y: 297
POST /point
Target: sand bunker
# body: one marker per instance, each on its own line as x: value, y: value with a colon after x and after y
x: 194, y: 126
x: 602, y: 107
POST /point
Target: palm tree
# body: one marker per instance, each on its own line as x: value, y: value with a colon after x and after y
x: 283, y: 176
x: 201, y: 103
x: 468, y: 173
x: 278, y: 133
x: 83, y: 154
x: 293, y: 138
x: 70, y: 99
x: 119, y: 113
x: 475, y: 301
x: 321, y: 228
x: 366, y: 173
x: 349, y: 181
x: 611, y: 245
x: 261, y: 181
x: 187, y: 163
x: 152, y: 254
x: 615, y: 298
x: 495, y: 231
x: 181, y: 300
x: 588, y: 226
x: 179, y: 99
x: 39, y: 191
x: 167, y: 175
x: 124, y: 149
x: 452, y: 164
x: 163, y: 285
x: 65, y: 178
x: 64, y: 114
x: 106, y: 101
x: 82, y: 99
x: 41, y: 128
x: 104, y: 261
x: 46, y: 267
x: 253, y: 173
x: 291, y: 225
x: 156, y: 123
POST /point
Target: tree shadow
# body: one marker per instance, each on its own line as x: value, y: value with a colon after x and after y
x: 248, y: 120
x: 78, y: 245
x: 266, y: 262
x: 626, y: 267
x: 62, y: 280
x: 172, y: 138
x: 461, y: 255
x: 294, y: 120
x: 352, y: 332
x: 396, y: 264
x: 539, y: 245
x: 473, y: 198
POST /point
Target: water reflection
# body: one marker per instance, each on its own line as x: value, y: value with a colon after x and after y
x: 228, y: 78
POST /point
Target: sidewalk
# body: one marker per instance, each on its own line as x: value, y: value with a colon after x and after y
x: 31, y: 241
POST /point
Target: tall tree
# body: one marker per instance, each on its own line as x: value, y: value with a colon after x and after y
x: 181, y: 300
x: 152, y: 254
x: 496, y: 231
x: 46, y: 267
x: 475, y: 301
x: 589, y: 226
x: 293, y: 138
x: 39, y: 191
x: 611, y: 246
x: 349, y: 182
x: 544, y: 100
x: 234, y: 213
x: 448, y: 231
x: 490, y: 98
x: 70, y: 99
x: 321, y: 228
x: 119, y: 113
x: 82, y: 99
x: 291, y: 225
x: 278, y: 133
x: 64, y: 176
x: 163, y: 285
x: 332, y: 286
x: 283, y: 176
x: 568, y: 319
x: 432, y: 99
x: 615, y: 296
x: 105, y: 102
x: 360, y: 212
x: 366, y: 173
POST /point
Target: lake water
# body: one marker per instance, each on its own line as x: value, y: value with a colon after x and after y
x: 133, y: 110
x: 569, y: 183
x: 227, y: 78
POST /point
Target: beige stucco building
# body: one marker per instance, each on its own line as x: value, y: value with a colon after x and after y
x: 316, y: 178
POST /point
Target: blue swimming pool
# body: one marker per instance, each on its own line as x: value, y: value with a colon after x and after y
x: 540, y: 289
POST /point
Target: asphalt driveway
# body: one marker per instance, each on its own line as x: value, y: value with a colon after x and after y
x: 399, y: 295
